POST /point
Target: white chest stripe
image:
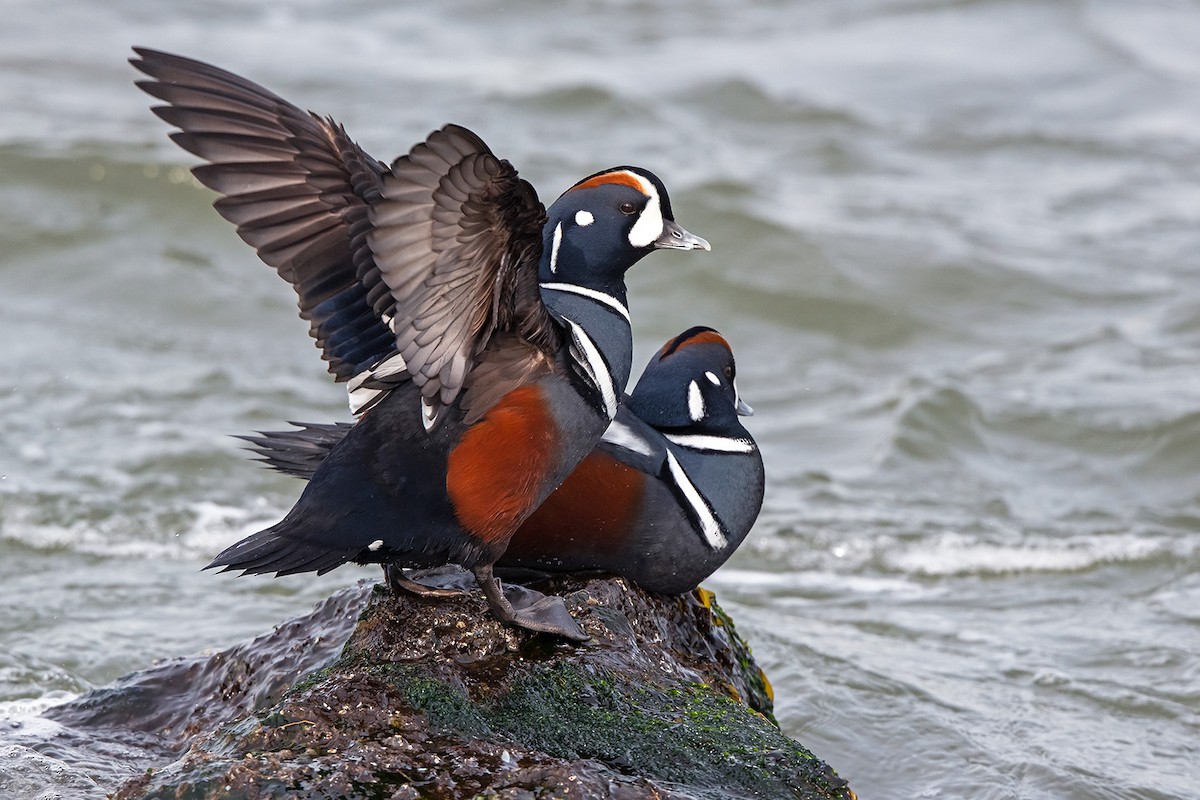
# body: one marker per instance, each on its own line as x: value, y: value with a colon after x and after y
x: 554, y: 247
x: 721, y: 444
x: 585, y: 352
x: 622, y: 435
x: 709, y: 527
x: 591, y: 294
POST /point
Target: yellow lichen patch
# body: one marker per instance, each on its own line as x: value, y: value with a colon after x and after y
x: 705, y: 597
x: 767, y: 685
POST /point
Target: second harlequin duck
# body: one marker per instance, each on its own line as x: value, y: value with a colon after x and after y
x: 488, y: 338
x: 670, y: 492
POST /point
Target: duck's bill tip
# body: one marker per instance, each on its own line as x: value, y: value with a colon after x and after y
x: 674, y: 237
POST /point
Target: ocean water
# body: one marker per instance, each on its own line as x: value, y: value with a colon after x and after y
x: 956, y: 247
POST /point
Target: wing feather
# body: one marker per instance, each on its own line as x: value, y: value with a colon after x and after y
x: 455, y: 227
x: 297, y: 189
x: 418, y: 265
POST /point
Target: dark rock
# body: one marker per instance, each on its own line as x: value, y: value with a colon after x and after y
x: 431, y: 698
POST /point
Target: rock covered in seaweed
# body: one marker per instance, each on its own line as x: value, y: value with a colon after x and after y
x: 432, y: 698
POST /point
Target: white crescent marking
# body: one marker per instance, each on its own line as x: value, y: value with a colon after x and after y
x: 695, y: 402
x: 554, y: 247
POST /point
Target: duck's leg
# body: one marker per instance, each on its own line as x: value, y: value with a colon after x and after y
x: 400, y: 583
x: 526, y: 608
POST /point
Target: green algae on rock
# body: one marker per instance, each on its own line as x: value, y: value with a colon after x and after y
x: 432, y: 698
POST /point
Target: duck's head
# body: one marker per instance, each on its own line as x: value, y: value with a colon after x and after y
x: 605, y: 224
x: 690, y: 386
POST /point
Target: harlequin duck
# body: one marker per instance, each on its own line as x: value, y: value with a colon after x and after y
x: 669, y: 493
x: 487, y: 338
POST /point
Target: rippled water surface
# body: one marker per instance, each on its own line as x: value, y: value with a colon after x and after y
x: 957, y: 251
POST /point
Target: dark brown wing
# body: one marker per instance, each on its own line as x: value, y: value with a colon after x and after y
x: 457, y: 238
x: 298, y: 190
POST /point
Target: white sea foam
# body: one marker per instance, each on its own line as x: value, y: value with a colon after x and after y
x: 198, y: 531
x: 955, y: 554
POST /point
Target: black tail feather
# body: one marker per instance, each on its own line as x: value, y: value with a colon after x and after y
x: 297, y: 452
x: 272, y: 550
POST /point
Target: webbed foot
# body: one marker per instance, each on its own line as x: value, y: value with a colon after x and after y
x: 527, y: 608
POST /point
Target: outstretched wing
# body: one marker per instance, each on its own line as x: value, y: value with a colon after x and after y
x: 457, y: 238
x: 401, y: 273
x: 296, y: 187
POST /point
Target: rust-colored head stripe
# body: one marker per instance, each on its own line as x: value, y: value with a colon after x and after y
x: 697, y: 335
x: 620, y: 178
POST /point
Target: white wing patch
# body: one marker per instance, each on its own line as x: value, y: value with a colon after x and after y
x: 621, y: 435
x: 375, y: 545
x: 710, y: 529
x: 695, y: 402
x: 429, y: 415
x: 719, y: 444
x: 360, y: 396
x: 587, y: 355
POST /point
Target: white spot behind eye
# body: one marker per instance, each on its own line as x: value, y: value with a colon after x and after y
x: 695, y: 402
x: 584, y: 218
x: 713, y: 379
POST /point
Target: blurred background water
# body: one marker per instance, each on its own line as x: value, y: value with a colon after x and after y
x: 956, y: 249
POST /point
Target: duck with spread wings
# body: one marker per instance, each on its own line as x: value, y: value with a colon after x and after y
x: 485, y: 339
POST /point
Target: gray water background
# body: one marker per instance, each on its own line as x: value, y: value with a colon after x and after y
x: 955, y: 246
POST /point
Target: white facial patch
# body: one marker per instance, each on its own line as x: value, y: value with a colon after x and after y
x: 650, y: 224
x: 554, y: 247
x: 584, y: 218
x: 713, y: 379
x: 695, y: 402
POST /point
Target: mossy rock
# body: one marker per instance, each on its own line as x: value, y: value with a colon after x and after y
x: 431, y: 698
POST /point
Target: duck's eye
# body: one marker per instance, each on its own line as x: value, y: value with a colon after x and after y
x: 729, y: 373
x: 628, y: 208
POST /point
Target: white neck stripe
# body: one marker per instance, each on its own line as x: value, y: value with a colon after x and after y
x: 722, y: 444
x: 583, y: 291
x: 593, y: 364
x: 710, y: 529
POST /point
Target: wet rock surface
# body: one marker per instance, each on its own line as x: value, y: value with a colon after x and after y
x: 431, y: 698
